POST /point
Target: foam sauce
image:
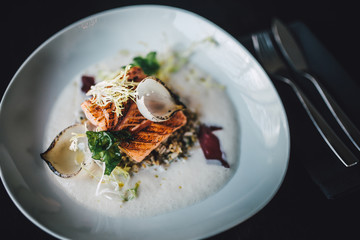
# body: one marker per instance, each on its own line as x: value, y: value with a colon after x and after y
x: 185, y: 182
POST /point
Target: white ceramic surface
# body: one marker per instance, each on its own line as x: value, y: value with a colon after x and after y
x: 264, y: 134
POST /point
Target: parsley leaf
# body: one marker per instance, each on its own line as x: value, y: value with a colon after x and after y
x: 149, y: 64
x: 104, y: 147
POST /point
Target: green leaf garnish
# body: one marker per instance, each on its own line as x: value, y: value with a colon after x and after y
x: 131, y: 193
x: 149, y: 64
x: 104, y: 146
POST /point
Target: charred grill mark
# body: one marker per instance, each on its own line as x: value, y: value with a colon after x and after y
x: 110, y: 116
x: 160, y: 131
x: 144, y: 124
x: 149, y: 137
x: 94, y: 114
x: 139, y: 147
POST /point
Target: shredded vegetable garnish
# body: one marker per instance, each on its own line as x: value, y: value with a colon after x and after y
x: 116, y: 185
x: 117, y: 91
x: 74, y: 141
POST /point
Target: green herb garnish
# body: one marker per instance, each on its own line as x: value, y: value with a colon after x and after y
x: 131, y: 193
x: 149, y: 64
x: 104, y: 146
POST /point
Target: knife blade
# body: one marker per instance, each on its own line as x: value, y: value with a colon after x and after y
x: 294, y: 56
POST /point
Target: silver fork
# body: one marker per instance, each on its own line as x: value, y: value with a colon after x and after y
x: 276, y: 68
x: 295, y: 58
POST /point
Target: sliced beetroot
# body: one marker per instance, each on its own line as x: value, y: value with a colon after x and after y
x: 87, y: 82
x: 210, y: 144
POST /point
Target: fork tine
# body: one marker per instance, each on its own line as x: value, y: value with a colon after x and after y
x: 267, y: 53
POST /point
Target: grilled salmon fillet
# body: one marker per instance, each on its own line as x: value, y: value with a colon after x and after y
x: 147, y: 134
x: 136, y: 74
x: 104, y: 117
x: 151, y: 133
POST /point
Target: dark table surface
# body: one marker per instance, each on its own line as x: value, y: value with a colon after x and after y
x: 299, y: 210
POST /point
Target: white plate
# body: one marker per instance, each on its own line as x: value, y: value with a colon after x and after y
x: 264, y: 134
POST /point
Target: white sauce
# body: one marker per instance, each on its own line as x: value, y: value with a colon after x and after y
x: 182, y: 184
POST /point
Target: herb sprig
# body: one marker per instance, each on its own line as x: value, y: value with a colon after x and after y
x: 104, y: 146
x: 149, y: 64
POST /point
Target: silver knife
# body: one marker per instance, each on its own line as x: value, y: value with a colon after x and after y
x: 294, y: 56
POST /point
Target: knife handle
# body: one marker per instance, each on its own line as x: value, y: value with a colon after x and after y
x: 327, y: 133
x: 342, y: 119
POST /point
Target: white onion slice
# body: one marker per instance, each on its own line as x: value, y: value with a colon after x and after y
x: 154, y: 100
x: 60, y: 159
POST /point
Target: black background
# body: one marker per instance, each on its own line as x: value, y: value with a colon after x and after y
x: 299, y: 210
